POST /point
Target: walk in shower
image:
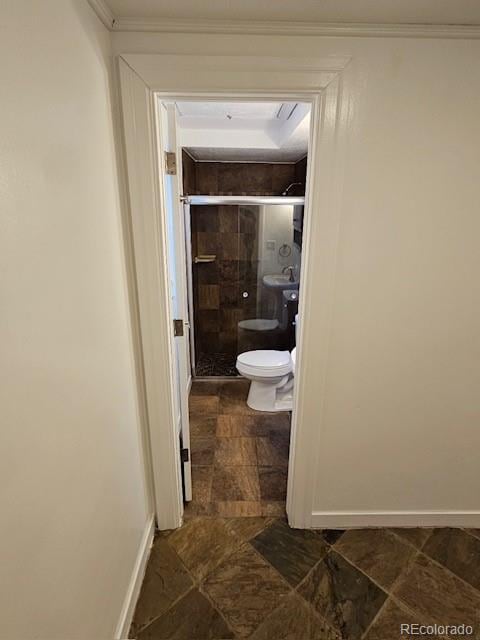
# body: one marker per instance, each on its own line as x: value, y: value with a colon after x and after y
x: 244, y: 270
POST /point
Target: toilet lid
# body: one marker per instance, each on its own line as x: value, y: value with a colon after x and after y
x: 265, y: 359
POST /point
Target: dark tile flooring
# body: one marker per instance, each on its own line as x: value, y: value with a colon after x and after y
x: 226, y: 577
x: 219, y: 578
x: 216, y: 364
x: 239, y: 456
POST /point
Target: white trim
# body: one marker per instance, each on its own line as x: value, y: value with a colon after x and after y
x: 148, y: 229
x: 362, y: 519
x: 328, y: 29
x: 147, y: 77
x: 136, y: 579
x: 103, y: 12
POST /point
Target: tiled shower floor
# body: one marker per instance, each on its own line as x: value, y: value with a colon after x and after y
x: 215, y: 364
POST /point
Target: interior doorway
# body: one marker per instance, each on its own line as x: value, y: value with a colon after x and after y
x: 235, y: 231
x: 146, y: 79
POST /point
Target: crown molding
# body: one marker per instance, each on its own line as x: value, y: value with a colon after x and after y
x: 332, y: 29
x: 103, y: 12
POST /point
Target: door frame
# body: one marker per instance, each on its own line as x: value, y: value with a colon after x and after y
x: 143, y: 79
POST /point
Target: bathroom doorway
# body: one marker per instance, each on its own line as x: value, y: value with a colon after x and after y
x: 148, y: 80
x: 243, y: 212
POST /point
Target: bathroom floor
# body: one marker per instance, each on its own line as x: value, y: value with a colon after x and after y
x: 219, y: 578
x: 239, y: 456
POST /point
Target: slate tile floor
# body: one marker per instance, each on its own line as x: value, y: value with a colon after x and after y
x: 219, y: 578
x: 223, y: 577
x: 239, y: 456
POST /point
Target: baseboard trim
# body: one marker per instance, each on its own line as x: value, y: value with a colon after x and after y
x: 364, y: 519
x: 135, y: 584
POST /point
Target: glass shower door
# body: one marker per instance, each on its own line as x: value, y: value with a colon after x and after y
x: 269, y: 277
x: 245, y: 271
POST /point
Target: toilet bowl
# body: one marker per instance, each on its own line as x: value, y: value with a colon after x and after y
x: 271, y: 374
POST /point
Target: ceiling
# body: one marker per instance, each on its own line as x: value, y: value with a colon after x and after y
x: 244, y: 131
x: 454, y: 12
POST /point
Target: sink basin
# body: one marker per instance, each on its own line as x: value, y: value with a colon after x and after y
x: 279, y: 281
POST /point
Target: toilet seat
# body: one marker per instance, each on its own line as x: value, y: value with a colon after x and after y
x: 265, y: 363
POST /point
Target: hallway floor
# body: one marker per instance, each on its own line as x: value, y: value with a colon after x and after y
x: 223, y: 577
x: 239, y: 456
x: 218, y: 578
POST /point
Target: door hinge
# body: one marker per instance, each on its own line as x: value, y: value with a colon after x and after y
x: 185, y: 455
x: 178, y: 328
x: 171, y: 163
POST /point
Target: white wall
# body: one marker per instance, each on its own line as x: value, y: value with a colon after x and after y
x: 73, y: 506
x: 400, y: 426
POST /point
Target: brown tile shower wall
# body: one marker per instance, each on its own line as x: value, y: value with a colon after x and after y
x: 229, y: 233
x: 241, y: 178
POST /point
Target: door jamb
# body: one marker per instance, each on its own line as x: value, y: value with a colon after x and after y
x: 144, y: 169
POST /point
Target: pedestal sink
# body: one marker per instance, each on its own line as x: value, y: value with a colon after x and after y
x: 279, y: 282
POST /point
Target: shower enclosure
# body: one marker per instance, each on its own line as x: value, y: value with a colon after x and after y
x: 244, y: 260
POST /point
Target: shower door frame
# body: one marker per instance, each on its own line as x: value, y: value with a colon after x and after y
x: 145, y: 79
x: 199, y: 200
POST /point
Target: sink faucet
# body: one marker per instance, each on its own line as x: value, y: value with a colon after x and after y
x: 291, y: 269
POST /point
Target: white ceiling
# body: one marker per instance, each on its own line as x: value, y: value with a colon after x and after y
x: 458, y: 12
x: 244, y: 131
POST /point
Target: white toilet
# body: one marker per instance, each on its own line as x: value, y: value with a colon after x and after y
x: 271, y: 373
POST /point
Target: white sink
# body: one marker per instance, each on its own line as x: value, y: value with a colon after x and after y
x: 279, y: 281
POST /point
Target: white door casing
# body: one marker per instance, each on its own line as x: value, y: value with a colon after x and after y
x: 317, y: 81
x: 176, y: 260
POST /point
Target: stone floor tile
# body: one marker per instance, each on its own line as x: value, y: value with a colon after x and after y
x: 436, y: 595
x: 235, y: 452
x: 166, y: 579
x: 204, y: 405
x: 294, y: 619
x: 203, y: 426
x: 229, y: 426
x: 458, y: 551
x: 293, y: 552
x: 274, y: 509
x: 332, y: 535
x: 205, y: 388
x: 345, y: 597
x: 235, y: 484
x: 191, y: 618
x: 377, y: 552
x: 201, y: 503
x: 415, y: 535
x: 245, y: 589
x: 273, y: 483
x: 202, y: 451
x: 202, y: 543
x: 473, y: 532
x: 247, y: 528
x: 237, y: 508
x: 387, y: 625
x: 272, y: 450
